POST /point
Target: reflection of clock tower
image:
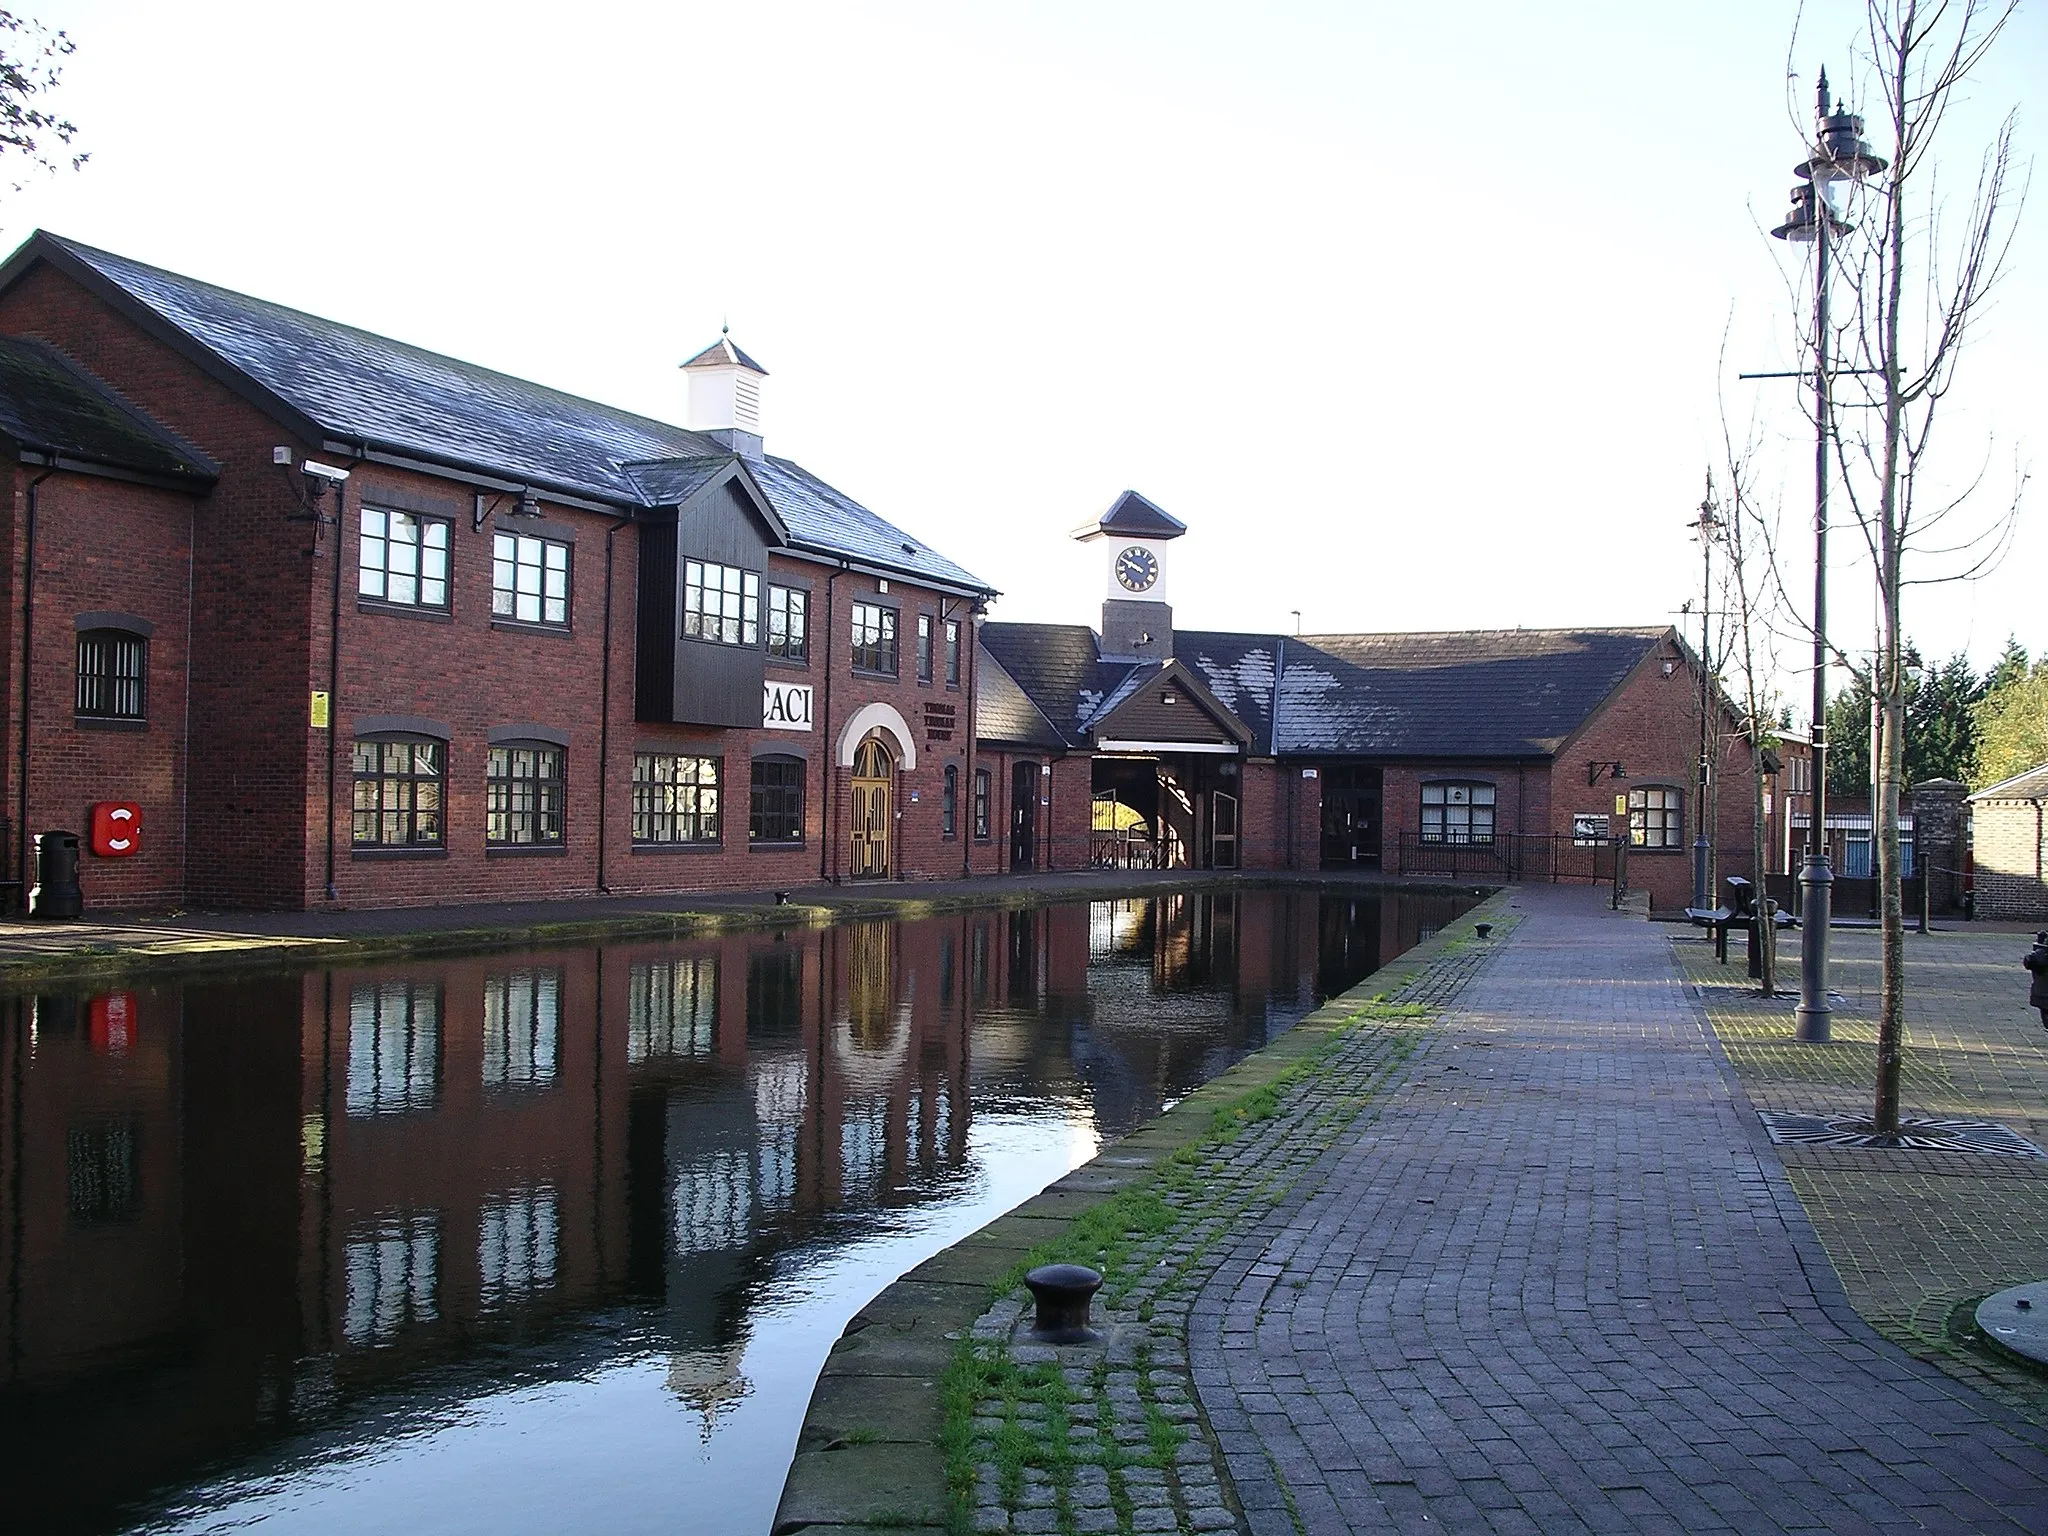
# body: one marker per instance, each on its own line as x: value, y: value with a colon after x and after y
x: 1137, y: 620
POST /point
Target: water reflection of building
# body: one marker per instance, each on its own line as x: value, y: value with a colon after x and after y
x: 229, y: 1211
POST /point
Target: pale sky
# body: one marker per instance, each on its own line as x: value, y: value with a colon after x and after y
x: 1412, y: 313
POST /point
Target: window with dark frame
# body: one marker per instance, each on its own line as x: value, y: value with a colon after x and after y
x: 1656, y: 817
x: 721, y: 603
x: 874, y: 639
x: 113, y: 671
x: 952, y: 653
x: 949, y: 803
x: 529, y: 579
x: 789, y: 627
x: 1457, y: 812
x: 403, y: 559
x: 924, y: 647
x: 523, y: 797
x: 982, y: 785
x: 399, y: 788
x: 775, y: 801
x: 676, y: 800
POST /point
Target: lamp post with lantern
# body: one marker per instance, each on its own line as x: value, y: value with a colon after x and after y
x: 1839, y: 161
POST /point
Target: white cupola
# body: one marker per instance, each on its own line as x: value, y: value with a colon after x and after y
x: 724, y: 392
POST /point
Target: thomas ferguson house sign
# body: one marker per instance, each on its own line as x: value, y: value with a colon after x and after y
x: 786, y: 706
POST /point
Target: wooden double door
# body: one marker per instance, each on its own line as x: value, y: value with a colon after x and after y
x: 872, y: 809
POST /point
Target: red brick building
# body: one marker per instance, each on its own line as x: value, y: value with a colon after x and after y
x: 300, y: 616
x: 1496, y: 754
x: 353, y: 624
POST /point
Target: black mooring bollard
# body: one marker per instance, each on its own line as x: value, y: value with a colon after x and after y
x: 1062, y: 1292
x: 1484, y: 930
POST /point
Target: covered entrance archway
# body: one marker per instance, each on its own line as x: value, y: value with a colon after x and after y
x: 1172, y: 811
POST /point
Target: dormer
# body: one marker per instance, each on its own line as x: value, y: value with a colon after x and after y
x: 724, y: 396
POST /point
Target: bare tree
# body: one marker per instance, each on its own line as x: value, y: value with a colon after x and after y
x: 1918, y: 286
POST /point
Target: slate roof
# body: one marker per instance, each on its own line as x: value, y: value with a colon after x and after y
x: 1470, y: 694
x: 1004, y: 712
x: 2031, y: 785
x: 723, y: 351
x: 1060, y: 668
x: 1135, y: 516
x: 337, y: 381
x: 49, y: 405
x: 1239, y: 670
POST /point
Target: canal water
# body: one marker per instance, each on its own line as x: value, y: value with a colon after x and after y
x: 559, y: 1240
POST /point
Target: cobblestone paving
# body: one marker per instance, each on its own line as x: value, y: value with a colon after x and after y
x: 1916, y: 1237
x: 1109, y: 1437
x: 1554, y: 1279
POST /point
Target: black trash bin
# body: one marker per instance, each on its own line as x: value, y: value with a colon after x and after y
x: 56, y: 893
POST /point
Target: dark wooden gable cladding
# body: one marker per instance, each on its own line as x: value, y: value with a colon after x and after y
x: 1195, y: 715
x: 683, y: 679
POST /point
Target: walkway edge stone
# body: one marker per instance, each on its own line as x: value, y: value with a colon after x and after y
x: 929, y: 1309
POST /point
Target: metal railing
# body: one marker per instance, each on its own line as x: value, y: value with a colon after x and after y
x: 1552, y: 858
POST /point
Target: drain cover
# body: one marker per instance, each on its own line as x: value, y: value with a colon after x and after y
x: 1983, y: 1136
x: 2017, y: 1319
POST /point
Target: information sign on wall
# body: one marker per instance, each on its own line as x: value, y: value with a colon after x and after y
x: 1589, y: 828
x: 786, y: 706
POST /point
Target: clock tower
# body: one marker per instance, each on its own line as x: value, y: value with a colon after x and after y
x: 1137, y: 620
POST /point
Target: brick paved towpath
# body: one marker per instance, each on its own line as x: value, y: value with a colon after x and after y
x: 1554, y: 1280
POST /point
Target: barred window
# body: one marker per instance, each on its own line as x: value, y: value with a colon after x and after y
x: 404, y: 559
x: 676, y: 799
x: 924, y: 647
x: 523, y: 797
x: 1656, y: 818
x: 949, y: 803
x: 952, y: 653
x: 721, y: 603
x: 522, y: 1028
x: 789, y: 629
x: 874, y: 638
x: 671, y: 1009
x: 1457, y: 813
x: 529, y: 579
x: 982, y: 788
x: 398, y: 794
x: 113, y: 666
x: 775, y: 804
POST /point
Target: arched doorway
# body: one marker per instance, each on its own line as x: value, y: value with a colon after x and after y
x: 872, y: 808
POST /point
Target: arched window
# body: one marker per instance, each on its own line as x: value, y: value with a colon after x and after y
x: 1457, y: 811
x: 1656, y: 817
x: 523, y: 795
x: 399, y: 785
x: 949, y: 804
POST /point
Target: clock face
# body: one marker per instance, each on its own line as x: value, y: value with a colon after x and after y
x: 1137, y: 568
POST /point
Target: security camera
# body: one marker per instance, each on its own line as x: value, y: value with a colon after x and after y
x: 321, y: 471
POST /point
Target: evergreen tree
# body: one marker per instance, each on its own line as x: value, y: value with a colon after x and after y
x: 1849, y: 742
x: 1941, y: 730
x: 2010, y: 667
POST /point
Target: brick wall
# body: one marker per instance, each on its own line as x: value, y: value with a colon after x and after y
x: 2010, y: 858
x: 101, y: 545
x: 254, y: 583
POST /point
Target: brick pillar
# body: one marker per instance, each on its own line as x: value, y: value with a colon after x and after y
x: 1940, y: 816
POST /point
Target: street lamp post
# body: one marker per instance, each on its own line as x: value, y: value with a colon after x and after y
x: 1839, y: 157
x: 1707, y: 526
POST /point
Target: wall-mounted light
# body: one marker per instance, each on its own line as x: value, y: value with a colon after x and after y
x: 1670, y: 667
x: 1169, y: 697
x: 524, y: 504
x: 1610, y: 766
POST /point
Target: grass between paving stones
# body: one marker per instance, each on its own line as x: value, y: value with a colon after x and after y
x: 1122, y: 1237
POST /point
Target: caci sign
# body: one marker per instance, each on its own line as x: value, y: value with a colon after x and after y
x: 786, y: 706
